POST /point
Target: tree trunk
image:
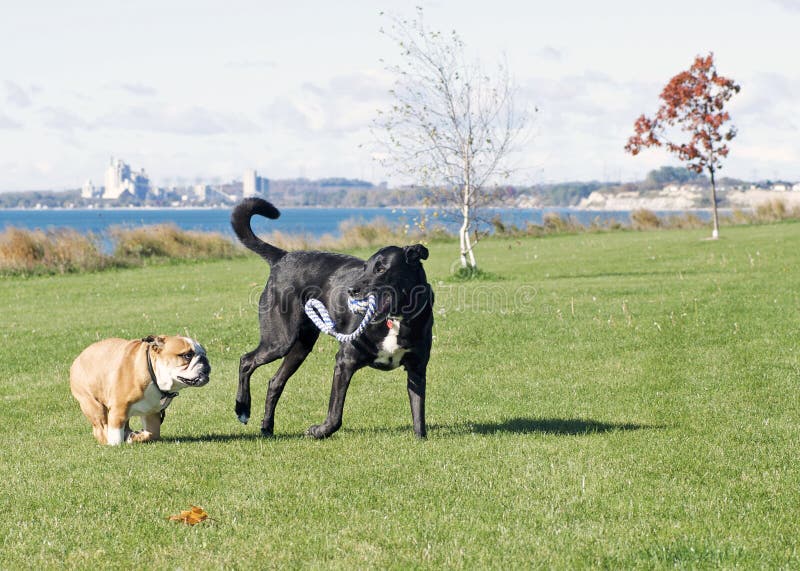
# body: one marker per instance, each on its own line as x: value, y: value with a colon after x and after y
x: 471, y: 251
x: 715, y: 229
x: 463, y: 236
x: 463, y: 232
x: 467, y: 255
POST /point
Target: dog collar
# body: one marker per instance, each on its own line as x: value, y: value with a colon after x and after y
x: 392, y: 320
x: 166, y: 397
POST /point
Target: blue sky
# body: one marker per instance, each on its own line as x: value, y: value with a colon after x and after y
x: 202, y: 90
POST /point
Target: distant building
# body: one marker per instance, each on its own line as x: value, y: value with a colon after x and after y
x: 120, y: 179
x: 230, y: 191
x: 249, y: 183
x: 88, y: 190
x: 201, y: 192
x: 252, y: 184
x: 796, y: 187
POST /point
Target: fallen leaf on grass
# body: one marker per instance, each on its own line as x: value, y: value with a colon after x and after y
x: 192, y: 516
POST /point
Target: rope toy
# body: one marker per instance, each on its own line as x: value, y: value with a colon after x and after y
x: 319, y: 315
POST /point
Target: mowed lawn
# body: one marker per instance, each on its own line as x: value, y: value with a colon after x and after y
x: 623, y: 400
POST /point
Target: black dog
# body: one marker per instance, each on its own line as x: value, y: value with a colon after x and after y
x: 399, y: 333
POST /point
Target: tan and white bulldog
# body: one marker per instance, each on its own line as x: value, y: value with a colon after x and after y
x: 116, y: 379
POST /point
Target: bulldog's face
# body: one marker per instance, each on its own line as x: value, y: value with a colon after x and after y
x: 178, y: 362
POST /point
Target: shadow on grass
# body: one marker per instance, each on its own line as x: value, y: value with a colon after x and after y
x: 566, y: 426
x: 231, y: 437
x: 520, y: 425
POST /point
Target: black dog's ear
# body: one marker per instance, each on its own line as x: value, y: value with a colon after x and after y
x: 415, y: 253
x: 157, y: 343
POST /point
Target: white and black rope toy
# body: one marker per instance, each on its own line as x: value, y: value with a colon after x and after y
x: 317, y: 313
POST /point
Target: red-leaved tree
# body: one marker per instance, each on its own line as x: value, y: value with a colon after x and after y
x: 694, y: 102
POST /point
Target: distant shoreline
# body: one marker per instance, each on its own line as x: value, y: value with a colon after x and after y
x: 314, y: 221
x: 387, y: 208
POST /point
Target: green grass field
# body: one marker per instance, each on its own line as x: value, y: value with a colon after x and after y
x: 621, y: 400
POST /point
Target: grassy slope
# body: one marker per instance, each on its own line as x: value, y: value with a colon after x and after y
x: 619, y: 400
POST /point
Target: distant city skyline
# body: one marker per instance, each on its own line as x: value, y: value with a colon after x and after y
x: 200, y: 92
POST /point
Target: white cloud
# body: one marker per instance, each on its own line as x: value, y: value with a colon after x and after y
x: 550, y: 53
x: 284, y: 113
x: 7, y: 122
x: 182, y: 121
x: 768, y: 154
x: 768, y: 100
x: 251, y: 64
x: 17, y: 95
x: 345, y: 104
x: 791, y: 5
x: 137, y: 89
x: 63, y: 120
x: 364, y: 86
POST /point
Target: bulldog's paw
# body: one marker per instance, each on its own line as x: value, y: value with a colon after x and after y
x: 116, y: 436
x: 140, y: 436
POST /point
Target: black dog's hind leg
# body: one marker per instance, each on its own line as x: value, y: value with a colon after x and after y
x: 294, y: 358
x: 416, y: 396
x: 342, y: 373
x: 249, y: 362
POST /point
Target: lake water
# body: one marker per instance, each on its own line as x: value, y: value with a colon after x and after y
x: 311, y: 221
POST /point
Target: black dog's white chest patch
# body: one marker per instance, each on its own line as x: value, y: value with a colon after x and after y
x: 390, y: 352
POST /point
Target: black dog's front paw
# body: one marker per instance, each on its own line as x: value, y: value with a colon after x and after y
x: 317, y: 431
x: 242, y: 411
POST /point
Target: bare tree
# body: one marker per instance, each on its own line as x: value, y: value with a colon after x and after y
x: 451, y: 127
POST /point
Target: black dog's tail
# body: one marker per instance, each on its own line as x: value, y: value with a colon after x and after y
x: 240, y: 220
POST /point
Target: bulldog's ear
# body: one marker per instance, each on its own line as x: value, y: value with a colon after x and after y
x: 156, y: 343
x: 415, y: 253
